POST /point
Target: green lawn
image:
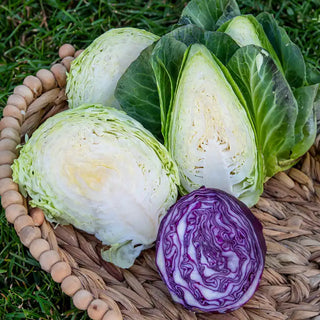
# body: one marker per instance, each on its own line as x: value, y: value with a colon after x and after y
x: 31, y: 34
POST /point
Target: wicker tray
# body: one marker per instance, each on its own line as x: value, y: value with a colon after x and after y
x: 289, y: 211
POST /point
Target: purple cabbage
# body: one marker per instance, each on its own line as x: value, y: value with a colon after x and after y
x: 210, y: 251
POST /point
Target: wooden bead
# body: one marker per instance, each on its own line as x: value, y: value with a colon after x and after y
x: 70, y: 285
x: 78, y: 52
x: 66, y: 50
x: 7, y: 157
x: 67, y: 62
x: 38, y: 246
x: 25, y: 92
x: 97, y: 309
x: 14, y: 211
x: 82, y: 299
x: 34, y: 84
x: 60, y: 73
x: 48, y: 259
x: 10, y: 133
x: 7, y: 184
x: 28, y: 234
x: 11, y: 197
x: 37, y: 216
x: 47, y: 79
x: 22, y: 222
x: 60, y: 271
x: 5, y: 171
x: 112, y: 315
x: 14, y: 112
x: 8, y: 144
x: 18, y: 101
x: 10, y: 122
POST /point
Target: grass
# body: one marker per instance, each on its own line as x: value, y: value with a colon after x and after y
x: 31, y: 33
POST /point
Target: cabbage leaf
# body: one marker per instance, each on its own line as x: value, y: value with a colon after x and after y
x: 290, y: 55
x: 209, y: 14
x: 283, y: 124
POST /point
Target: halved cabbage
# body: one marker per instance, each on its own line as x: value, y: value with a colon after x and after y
x: 101, y: 171
x: 94, y: 74
x: 210, y: 134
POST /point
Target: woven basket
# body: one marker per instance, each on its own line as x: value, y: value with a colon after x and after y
x: 289, y: 211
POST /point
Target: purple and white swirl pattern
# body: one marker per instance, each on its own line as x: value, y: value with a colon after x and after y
x: 210, y: 251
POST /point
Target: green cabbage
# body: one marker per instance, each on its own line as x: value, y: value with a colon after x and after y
x: 101, y: 171
x: 94, y: 74
x: 210, y: 134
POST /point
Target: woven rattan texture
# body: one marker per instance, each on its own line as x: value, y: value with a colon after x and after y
x: 289, y: 210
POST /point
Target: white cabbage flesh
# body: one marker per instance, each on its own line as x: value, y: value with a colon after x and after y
x: 210, y: 135
x: 101, y: 171
x: 95, y: 73
x: 243, y: 32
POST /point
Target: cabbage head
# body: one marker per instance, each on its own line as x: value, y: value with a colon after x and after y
x: 95, y: 73
x: 99, y: 170
x: 210, y: 135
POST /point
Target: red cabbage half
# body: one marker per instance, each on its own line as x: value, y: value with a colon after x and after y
x: 210, y: 251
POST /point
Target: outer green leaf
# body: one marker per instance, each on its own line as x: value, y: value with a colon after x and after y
x: 317, y: 109
x: 246, y: 30
x: 209, y: 14
x: 313, y: 75
x: 221, y: 44
x: 137, y: 93
x: 282, y: 137
x: 166, y: 62
x: 305, y: 127
x: 188, y: 34
x: 289, y: 54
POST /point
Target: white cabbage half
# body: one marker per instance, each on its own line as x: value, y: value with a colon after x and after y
x: 101, y: 171
x: 95, y: 73
x: 210, y: 135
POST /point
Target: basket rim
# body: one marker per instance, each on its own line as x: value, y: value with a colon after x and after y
x: 299, y: 187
